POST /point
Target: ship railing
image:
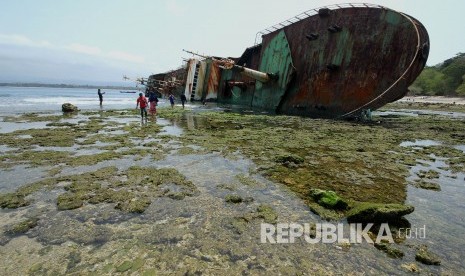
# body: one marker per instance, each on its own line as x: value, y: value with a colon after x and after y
x: 306, y: 14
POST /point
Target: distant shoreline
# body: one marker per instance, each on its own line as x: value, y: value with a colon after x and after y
x: 51, y: 85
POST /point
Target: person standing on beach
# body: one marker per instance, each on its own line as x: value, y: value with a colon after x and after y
x: 183, y: 100
x: 100, y: 95
x: 153, y: 100
x: 142, y: 102
x: 171, y: 98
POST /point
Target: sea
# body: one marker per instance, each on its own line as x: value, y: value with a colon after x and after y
x: 15, y: 100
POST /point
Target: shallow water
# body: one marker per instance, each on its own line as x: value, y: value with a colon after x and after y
x: 420, y: 143
x: 18, y: 176
x: 419, y: 112
x: 201, y: 232
x: 442, y: 213
x: 197, y: 227
x: 7, y: 127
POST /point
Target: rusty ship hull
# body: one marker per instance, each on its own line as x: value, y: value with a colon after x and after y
x: 335, y: 61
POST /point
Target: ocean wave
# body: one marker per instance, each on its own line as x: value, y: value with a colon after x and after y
x: 76, y: 101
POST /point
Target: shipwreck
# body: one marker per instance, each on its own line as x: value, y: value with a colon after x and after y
x: 336, y: 62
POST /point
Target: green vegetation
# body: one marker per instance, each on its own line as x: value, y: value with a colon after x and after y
x: 375, y: 212
x: 426, y: 257
x: 389, y: 250
x: 328, y: 199
x: 444, y: 79
x: 23, y: 226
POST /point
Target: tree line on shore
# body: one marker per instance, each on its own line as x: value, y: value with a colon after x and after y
x: 444, y: 79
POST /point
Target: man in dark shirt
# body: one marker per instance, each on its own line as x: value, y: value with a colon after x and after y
x: 100, y: 95
x: 183, y: 99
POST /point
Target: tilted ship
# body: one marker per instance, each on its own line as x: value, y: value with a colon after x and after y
x: 336, y: 62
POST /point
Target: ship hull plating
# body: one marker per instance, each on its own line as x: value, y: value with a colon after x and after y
x: 335, y: 63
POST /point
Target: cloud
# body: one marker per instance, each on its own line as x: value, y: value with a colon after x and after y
x: 125, y: 57
x: 84, y: 49
x: 111, y: 55
x: 21, y: 40
x: 22, y: 58
x: 15, y: 40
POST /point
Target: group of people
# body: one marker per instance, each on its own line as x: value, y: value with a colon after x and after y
x: 151, y: 102
x: 183, y: 100
x: 142, y: 102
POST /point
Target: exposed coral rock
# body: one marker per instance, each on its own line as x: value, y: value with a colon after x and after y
x: 67, y: 107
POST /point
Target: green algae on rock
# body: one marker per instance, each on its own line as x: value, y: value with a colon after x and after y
x: 283, y: 159
x: 431, y: 174
x: 69, y: 108
x: 328, y: 199
x: 412, y: 267
x: 22, y: 227
x: 69, y: 201
x: 389, y: 250
x: 33, y: 117
x: 233, y: 199
x: 420, y: 183
x: 426, y: 257
x: 135, y: 205
x: 267, y: 213
x: 12, y: 201
x: 378, y: 212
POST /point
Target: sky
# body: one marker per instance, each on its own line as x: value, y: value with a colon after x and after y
x: 90, y: 41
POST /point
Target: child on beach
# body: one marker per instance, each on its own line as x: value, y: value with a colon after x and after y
x: 142, y: 102
x: 171, y: 98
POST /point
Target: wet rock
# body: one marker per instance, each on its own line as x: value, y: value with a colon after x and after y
x: 125, y: 266
x: 226, y: 187
x: 238, y: 224
x: 267, y: 213
x: 12, y: 201
x: 61, y: 228
x: 35, y: 268
x: 150, y: 272
x: 136, y: 205
x: 431, y: 174
x: 69, y: 201
x: 137, y: 264
x: 4, y: 239
x: 177, y: 195
x: 108, y: 195
x: 291, y: 158
x: 328, y: 199
x: 23, y: 226
x: 248, y: 199
x: 378, y: 212
x: 389, y: 250
x: 426, y: 185
x: 426, y: 257
x: 233, y: 199
x: 411, y: 267
x: 67, y: 107
x: 247, y: 180
x: 74, y: 259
